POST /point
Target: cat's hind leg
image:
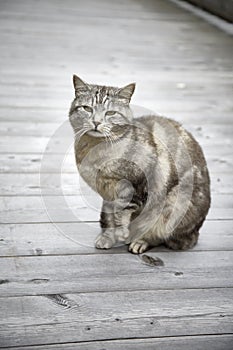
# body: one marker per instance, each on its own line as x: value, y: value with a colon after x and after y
x: 184, y: 238
x: 183, y: 241
x: 178, y: 241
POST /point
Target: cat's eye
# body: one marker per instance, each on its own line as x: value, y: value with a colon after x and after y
x: 110, y: 113
x: 87, y: 109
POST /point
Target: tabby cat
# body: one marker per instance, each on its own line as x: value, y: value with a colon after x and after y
x: 150, y: 172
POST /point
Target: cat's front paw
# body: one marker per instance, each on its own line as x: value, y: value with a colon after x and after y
x: 138, y: 247
x: 103, y: 242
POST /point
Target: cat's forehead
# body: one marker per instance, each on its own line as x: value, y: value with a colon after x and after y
x: 98, y: 94
x: 102, y: 90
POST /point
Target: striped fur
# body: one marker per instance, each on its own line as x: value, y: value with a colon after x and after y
x: 150, y: 172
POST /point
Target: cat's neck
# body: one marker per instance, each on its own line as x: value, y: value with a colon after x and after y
x: 98, y: 146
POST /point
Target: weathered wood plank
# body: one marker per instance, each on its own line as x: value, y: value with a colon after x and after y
x: 78, y: 238
x: 79, y: 208
x: 46, y: 209
x: 207, y: 342
x: 47, y: 239
x: 135, y: 59
x: 29, y: 184
x: 32, y: 26
x: 36, y: 83
x: 114, y: 272
x: 149, y: 62
x: 104, y: 10
x: 38, y: 320
x: 219, y: 161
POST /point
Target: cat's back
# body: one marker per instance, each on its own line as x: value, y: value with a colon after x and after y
x: 176, y: 146
x: 173, y: 137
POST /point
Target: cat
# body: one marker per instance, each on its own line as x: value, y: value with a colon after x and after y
x: 150, y: 171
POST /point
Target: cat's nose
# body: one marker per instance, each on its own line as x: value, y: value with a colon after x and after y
x: 96, y: 124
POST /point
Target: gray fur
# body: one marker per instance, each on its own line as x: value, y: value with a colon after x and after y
x: 150, y: 172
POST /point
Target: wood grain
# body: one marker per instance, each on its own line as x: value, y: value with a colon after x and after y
x: 121, y: 315
x: 79, y: 208
x: 78, y: 238
x: 113, y: 272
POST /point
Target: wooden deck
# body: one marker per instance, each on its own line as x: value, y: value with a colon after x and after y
x: 56, y: 290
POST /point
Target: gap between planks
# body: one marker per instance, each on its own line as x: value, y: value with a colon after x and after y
x: 204, y: 341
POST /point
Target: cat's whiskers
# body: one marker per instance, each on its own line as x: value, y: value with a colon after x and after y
x: 113, y: 137
x: 106, y: 128
x: 78, y: 132
x: 81, y: 132
x: 108, y: 139
x: 85, y: 126
x: 106, y: 132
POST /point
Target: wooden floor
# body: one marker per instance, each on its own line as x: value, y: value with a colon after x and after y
x: 56, y: 290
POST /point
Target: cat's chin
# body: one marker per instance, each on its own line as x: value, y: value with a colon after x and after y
x: 95, y: 133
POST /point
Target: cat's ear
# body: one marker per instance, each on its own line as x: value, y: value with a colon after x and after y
x: 127, y: 91
x: 79, y: 84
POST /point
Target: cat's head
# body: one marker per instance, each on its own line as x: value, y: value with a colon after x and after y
x: 100, y: 111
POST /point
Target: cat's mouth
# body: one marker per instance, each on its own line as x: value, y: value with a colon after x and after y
x: 95, y: 133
